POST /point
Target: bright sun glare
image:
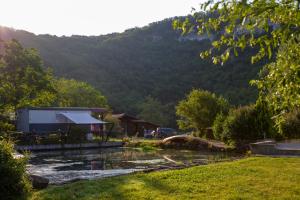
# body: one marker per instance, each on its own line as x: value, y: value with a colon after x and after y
x: 88, y: 17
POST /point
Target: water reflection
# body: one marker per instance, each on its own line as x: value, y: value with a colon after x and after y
x: 65, y: 166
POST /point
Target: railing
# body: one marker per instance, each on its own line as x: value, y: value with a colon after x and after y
x: 55, y: 138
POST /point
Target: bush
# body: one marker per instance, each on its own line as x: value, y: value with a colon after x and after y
x: 77, y: 134
x: 290, y: 125
x: 218, y: 126
x: 245, y: 124
x: 14, y: 183
x: 5, y: 125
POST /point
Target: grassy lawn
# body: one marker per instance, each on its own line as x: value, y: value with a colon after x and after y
x: 251, y: 178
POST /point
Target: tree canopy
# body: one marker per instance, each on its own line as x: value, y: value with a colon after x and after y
x: 269, y: 26
x: 199, y: 110
x: 72, y: 93
x: 153, y: 111
x: 266, y: 24
x: 23, y: 80
x: 280, y: 80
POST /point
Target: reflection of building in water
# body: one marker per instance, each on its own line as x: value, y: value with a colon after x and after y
x: 98, y: 164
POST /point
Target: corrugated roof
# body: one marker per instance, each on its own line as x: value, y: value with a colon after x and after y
x: 79, y: 118
x: 101, y: 110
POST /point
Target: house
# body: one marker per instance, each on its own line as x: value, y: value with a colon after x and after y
x: 132, y: 125
x: 42, y: 120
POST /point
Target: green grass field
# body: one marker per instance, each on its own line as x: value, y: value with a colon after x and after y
x: 250, y: 178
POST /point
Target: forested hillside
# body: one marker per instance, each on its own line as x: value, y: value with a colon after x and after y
x: 153, y: 61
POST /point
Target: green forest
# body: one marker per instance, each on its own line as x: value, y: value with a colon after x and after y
x: 143, y: 68
x: 226, y: 78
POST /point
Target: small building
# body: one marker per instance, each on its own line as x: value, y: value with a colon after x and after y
x: 40, y: 120
x: 132, y: 125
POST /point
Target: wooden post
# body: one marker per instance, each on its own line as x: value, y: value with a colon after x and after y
x: 68, y: 131
x: 102, y: 133
x: 108, y: 133
x: 61, y: 139
x: 126, y: 128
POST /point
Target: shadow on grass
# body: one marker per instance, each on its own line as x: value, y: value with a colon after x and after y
x: 146, y: 187
x: 116, y: 188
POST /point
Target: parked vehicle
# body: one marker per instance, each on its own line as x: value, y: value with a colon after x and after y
x: 148, y: 134
x: 164, y: 132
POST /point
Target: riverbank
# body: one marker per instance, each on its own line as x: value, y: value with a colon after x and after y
x: 179, y: 142
x: 250, y: 178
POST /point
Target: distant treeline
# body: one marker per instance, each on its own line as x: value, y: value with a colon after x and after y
x: 143, y: 69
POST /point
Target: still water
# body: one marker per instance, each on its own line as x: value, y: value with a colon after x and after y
x: 65, y: 166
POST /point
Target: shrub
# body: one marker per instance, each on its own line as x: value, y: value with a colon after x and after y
x: 5, y: 125
x: 77, y: 134
x: 290, y: 125
x: 245, y: 124
x: 14, y: 183
x: 218, y: 126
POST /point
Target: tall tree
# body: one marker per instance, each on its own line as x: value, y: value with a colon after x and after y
x: 23, y: 80
x: 72, y: 93
x: 270, y: 26
x: 199, y: 110
x: 154, y: 111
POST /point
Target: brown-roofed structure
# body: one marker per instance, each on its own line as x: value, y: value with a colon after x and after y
x: 134, y: 126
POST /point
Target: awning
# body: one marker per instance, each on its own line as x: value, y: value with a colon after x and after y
x: 78, y: 118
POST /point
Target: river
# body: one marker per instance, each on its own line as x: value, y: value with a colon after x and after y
x: 65, y: 166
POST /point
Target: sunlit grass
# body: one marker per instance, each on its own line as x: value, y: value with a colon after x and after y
x: 251, y: 178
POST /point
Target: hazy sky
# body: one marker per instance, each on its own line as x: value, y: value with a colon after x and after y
x: 88, y: 17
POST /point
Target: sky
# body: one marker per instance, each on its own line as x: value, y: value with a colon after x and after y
x: 88, y: 17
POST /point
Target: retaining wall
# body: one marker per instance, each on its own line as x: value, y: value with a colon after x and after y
x: 273, y: 148
x: 47, y: 147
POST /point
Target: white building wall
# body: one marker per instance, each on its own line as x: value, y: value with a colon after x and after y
x: 22, y: 120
